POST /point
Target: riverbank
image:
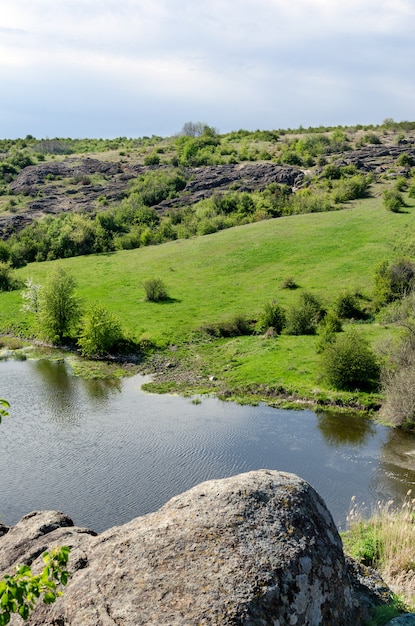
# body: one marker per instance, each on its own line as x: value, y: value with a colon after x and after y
x: 182, y: 370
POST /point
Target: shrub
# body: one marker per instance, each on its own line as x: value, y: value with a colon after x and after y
x: 393, y: 200
x: 327, y: 329
x: 289, y: 283
x: 152, y: 159
x: 236, y: 326
x: 347, y: 306
x: 332, y: 172
x: 303, y: 318
x: 398, y: 371
x: 7, y: 280
x: 155, y: 290
x: 349, y: 363
x: 385, y: 541
x: 411, y: 190
x: 100, y: 331
x: 405, y: 159
x: 272, y: 316
x: 393, y: 281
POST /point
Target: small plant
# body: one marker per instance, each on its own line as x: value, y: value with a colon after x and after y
x: 4, y: 405
x: 289, y: 283
x: 155, y: 290
x: 19, y: 593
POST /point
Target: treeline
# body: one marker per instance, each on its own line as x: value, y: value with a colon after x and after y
x: 135, y: 222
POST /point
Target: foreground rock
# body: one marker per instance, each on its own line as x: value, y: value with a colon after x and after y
x: 255, y: 549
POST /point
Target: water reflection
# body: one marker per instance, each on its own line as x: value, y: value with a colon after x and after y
x: 61, y: 389
x: 397, y: 465
x: 105, y: 452
x: 340, y: 429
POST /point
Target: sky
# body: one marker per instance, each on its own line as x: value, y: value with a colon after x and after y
x: 134, y: 68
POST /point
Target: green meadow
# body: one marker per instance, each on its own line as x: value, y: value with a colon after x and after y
x: 211, y: 278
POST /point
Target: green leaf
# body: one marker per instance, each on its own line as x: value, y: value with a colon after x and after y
x: 49, y: 598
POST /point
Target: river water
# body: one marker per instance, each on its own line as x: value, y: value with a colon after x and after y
x: 105, y: 452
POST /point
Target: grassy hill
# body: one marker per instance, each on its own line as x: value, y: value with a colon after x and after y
x: 212, y: 278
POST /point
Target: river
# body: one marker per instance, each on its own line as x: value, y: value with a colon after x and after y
x: 104, y: 451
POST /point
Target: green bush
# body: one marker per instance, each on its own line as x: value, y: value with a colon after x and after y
x: 349, y: 364
x: 152, y: 159
x: 7, y: 280
x: 155, y: 290
x: 392, y: 281
x: 236, y: 326
x: 100, y: 332
x: 327, y: 329
x: 347, y: 306
x: 303, y: 318
x: 405, y: 159
x: 272, y: 316
x: 393, y: 200
x: 58, y: 307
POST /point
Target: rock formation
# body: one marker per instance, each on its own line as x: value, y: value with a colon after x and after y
x: 259, y: 548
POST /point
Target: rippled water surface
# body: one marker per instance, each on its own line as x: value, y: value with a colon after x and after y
x: 104, y: 452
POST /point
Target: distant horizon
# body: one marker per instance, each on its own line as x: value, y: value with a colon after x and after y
x: 299, y: 128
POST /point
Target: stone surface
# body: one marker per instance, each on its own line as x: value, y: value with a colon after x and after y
x: 259, y: 548
x: 115, y: 178
x: 403, y: 620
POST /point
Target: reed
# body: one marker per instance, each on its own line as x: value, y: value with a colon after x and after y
x: 386, y: 541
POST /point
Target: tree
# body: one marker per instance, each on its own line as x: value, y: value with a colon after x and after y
x: 349, y: 363
x: 100, y: 331
x: 194, y: 129
x: 59, y: 308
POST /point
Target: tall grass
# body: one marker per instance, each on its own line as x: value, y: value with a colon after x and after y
x: 386, y: 541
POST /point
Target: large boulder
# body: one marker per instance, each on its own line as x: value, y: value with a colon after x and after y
x: 259, y: 548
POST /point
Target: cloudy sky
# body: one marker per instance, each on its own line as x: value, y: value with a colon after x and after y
x: 110, y: 68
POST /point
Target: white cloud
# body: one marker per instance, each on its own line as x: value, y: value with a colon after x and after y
x: 216, y: 57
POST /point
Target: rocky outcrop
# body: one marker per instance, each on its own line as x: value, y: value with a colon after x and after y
x: 259, y: 548
x: 39, y: 181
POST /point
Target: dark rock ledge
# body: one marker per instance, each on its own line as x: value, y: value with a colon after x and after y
x: 259, y: 548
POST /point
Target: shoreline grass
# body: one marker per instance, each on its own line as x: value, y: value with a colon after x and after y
x: 385, y: 541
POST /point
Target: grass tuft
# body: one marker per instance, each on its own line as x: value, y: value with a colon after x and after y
x: 385, y: 541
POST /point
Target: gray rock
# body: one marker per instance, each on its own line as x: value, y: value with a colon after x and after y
x: 256, y: 549
x: 403, y: 620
